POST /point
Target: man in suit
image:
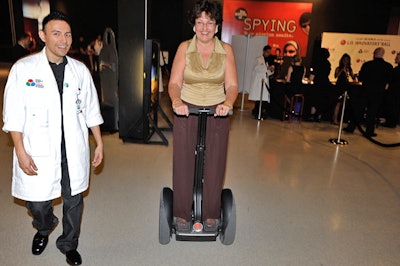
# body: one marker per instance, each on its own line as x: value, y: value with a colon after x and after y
x: 392, y: 98
x: 21, y: 48
x: 375, y: 76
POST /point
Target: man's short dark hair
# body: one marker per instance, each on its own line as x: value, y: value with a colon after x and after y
x: 267, y: 47
x: 55, y: 15
x: 23, y: 35
x: 324, y: 53
x: 305, y: 17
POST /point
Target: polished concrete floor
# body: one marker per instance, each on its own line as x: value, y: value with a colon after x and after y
x: 300, y: 200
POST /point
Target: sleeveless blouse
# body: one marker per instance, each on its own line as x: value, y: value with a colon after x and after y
x: 342, y: 82
x: 203, y: 85
x: 296, y: 77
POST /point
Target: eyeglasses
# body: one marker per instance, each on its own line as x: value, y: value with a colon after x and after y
x: 305, y: 25
x: 208, y: 24
x: 289, y: 51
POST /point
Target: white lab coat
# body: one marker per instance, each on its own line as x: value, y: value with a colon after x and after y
x: 32, y: 106
x: 260, y: 72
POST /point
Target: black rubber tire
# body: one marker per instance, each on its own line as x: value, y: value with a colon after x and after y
x: 165, y: 216
x: 228, y: 217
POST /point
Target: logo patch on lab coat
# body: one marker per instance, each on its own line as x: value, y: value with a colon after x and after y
x: 38, y: 83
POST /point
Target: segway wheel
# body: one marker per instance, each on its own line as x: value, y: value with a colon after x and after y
x: 165, y: 216
x: 228, y: 217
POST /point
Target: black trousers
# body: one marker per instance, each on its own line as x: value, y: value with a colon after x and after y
x: 44, y: 219
x: 264, y: 108
x: 392, y: 106
x: 368, y: 103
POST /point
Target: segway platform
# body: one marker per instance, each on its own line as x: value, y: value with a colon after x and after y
x: 196, y: 233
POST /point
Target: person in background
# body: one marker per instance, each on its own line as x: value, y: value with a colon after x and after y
x: 90, y: 52
x: 319, y: 76
x: 343, y: 73
x: 203, y: 74
x: 82, y: 53
x: 278, y: 61
x: 375, y: 76
x: 270, y: 58
x: 49, y: 103
x: 22, y: 47
x: 294, y: 77
x: 291, y: 50
x: 305, y: 21
x: 97, y: 47
x: 260, y: 78
x: 392, y: 97
x: 278, y: 56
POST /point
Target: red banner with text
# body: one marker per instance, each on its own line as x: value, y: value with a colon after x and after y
x: 280, y: 21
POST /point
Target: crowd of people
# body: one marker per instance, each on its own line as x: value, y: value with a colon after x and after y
x: 87, y: 52
x: 379, y: 100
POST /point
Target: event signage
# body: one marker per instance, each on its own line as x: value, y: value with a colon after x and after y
x: 360, y: 47
x: 280, y: 21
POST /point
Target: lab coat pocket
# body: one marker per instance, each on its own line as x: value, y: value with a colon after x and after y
x: 39, y: 137
x: 40, y: 117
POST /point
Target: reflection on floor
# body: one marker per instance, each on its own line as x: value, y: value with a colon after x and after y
x: 300, y: 200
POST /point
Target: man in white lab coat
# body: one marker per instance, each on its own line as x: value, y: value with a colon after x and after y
x: 50, y: 101
x: 260, y: 79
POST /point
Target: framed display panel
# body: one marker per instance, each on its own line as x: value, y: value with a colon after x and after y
x: 151, y: 100
x: 145, y: 129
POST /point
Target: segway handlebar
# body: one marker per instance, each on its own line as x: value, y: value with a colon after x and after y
x: 208, y: 111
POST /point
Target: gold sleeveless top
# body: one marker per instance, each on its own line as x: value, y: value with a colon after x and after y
x: 203, y: 85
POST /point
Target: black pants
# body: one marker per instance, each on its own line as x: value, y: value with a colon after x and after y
x: 44, y: 219
x: 392, y: 106
x: 369, y: 104
x: 264, y: 109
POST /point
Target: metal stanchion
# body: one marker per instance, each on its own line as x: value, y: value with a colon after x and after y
x: 245, y: 71
x: 338, y: 140
x: 261, y: 100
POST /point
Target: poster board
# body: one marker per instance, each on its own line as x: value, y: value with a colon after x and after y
x: 360, y: 47
x: 279, y: 21
x: 246, y: 49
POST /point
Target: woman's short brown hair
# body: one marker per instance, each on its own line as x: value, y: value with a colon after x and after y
x: 211, y: 8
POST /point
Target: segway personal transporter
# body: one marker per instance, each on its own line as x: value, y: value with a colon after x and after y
x: 227, y: 227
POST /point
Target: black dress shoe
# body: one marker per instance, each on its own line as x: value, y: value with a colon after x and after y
x: 73, y: 257
x: 371, y: 134
x: 39, y: 243
x: 348, y: 130
x: 388, y: 125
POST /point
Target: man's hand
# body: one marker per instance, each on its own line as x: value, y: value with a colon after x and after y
x: 27, y: 164
x: 98, y: 156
